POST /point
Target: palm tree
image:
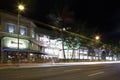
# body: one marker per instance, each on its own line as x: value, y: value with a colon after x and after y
x: 59, y: 17
x: 62, y: 17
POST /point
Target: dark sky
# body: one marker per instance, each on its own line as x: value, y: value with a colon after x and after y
x: 104, y: 15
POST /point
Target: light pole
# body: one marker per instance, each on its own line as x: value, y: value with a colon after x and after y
x: 20, y: 9
x: 97, y: 38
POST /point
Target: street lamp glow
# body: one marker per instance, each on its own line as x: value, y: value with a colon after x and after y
x: 21, y: 7
x: 97, y: 37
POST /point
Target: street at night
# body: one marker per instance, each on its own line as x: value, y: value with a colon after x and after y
x: 59, y: 40
x: 76, y: 72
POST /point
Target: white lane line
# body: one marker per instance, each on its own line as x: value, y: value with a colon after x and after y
x: 72, y: 70
x: 95, y: 73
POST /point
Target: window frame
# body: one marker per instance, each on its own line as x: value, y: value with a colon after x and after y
x: 8, y: 27
x: 24, y: 28
x: 32, y: 33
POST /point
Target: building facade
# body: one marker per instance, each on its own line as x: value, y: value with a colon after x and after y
x: 19, y: 43
x: 28, y: 42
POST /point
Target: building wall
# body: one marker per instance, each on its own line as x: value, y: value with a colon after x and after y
x: 7, y: 19
x: 11, y: 19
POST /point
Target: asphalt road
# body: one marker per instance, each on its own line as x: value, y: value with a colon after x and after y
x: 79, y: 72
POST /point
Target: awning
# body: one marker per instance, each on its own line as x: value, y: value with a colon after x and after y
x: 24, y: 51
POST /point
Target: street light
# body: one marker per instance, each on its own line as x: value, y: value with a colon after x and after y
x: 97, y: 37
x: 20, y: 9
x: 97, y: 40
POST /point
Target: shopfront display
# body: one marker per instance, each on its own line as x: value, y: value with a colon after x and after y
x: 9, y: 42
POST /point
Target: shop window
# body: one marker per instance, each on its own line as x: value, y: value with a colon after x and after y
x: 22, y: 30
x: 37, y: 37
x: 32, y: 34
x: 11, y: 28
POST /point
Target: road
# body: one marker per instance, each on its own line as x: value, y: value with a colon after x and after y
x: 76, y: 72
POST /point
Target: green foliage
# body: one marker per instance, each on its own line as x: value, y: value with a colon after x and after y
x: 72, y: 42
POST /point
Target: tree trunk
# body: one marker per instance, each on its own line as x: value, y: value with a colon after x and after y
x: 72, y: 54
x: 63, y: 49
x: 79, y: 53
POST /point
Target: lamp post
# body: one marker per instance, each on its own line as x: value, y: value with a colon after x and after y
x: 97, y: 38
x: 20, y: 9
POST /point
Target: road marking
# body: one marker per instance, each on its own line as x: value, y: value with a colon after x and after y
x: 72, y: 70
x: 95, y: 73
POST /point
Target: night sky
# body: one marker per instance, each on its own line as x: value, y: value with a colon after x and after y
x: 104, y: 15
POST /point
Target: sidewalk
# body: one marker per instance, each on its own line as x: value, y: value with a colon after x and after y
x: 29, y: 65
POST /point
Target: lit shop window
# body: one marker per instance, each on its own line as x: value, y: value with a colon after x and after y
x: 11, y: 28
x: 32, y: 34
x: 37, y: 37
x: 22, y: 30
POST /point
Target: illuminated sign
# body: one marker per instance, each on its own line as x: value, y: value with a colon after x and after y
x: 13, y: 43
x: 45, y: 41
